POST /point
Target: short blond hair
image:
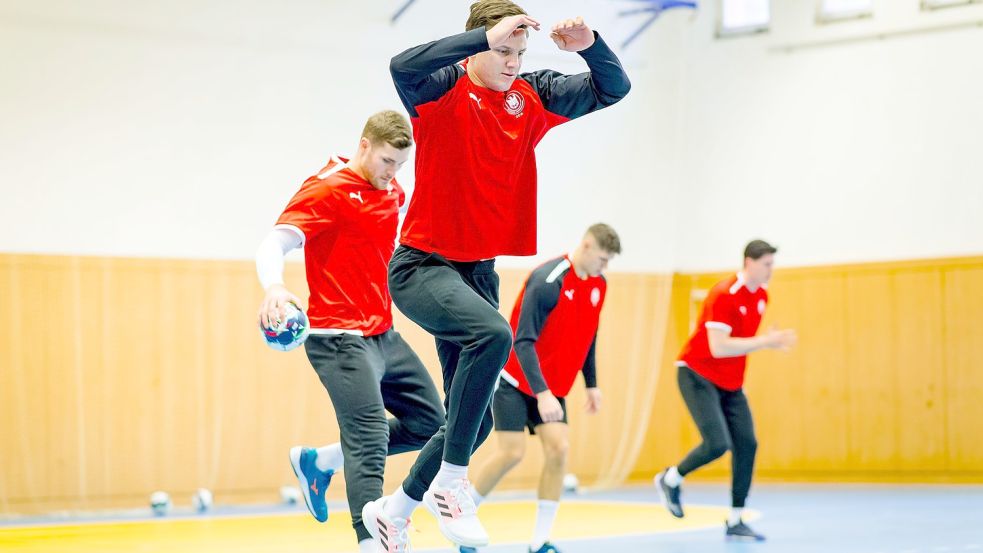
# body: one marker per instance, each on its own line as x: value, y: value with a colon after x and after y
x: 487, y: 13
x: 389, y: 127
x: 607, y: 238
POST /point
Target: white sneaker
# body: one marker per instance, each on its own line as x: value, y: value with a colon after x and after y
x: 391, y: 535
x: 457, y: 515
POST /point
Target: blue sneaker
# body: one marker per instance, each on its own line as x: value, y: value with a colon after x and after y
x: 546, y: 548
x: 313, y: 482
x: 466, y: 549
x: 670, y: 495
x: 742, y: 532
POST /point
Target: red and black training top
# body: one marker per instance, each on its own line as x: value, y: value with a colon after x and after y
x: 555, y: 323
x: 475, y: 195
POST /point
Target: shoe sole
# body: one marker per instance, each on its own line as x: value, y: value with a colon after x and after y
x: 456, y: 540
x: 304, y: 484
x: 746, y: 539
x: 664, y: 497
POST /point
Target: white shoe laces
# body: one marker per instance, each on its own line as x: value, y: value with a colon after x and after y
x: 403, y: 534
x: 459, y: 488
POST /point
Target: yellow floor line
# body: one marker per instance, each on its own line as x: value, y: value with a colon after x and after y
x: 506, y: 522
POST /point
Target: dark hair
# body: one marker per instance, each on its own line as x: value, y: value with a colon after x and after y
x: 389, y: 127
x: 487, y: 13
x: 607, y: 238
x: 756, y: 249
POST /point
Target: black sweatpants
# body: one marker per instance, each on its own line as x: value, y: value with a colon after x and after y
x: 456, y: 302
x: 365, y: 376
x: 724, y: 420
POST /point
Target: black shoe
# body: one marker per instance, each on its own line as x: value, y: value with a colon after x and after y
x: 742, y: 532
x: 670, y: 495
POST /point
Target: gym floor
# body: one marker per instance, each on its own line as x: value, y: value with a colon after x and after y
x: 796, y: 519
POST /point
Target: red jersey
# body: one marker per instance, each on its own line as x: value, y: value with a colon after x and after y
x: 349, y: 233
x: 554, y: 322
x: 730, y: 307
x: 475, y: 194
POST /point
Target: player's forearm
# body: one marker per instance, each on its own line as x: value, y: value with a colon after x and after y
x: 590, y: 366
x: 735, y: 347
x: 270, y: 256
x: 608, y: 77
x: 416, y: 64
x: 525, y: 351
x: 590, y: 376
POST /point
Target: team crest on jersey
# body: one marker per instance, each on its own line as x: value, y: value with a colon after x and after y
x: 761, y: 307
x: 568, y: 294
x: 514, y: 103
x: 595, y: 296
x: 743, y: 309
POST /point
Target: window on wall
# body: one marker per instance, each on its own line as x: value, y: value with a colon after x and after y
x: 740, y: 17
x: 933, y: 4
x: 837, y: 10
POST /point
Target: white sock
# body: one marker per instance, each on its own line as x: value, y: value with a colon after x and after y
x: 448, y: 473
x: 673, y: 478
x: 477, y: 497
x: 367, y: 546
x: 400, y: 505
x: 545, y: 515
x: 330, y: 457
x: 735, y: 516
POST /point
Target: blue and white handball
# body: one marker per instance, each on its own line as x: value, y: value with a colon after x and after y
x: 160, y: 503
x: 290, y: 332
x: 202, y: 500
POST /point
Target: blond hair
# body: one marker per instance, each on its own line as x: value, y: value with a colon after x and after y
x: 389, y: 127
x: 607, y: 238
x: 487, y: 13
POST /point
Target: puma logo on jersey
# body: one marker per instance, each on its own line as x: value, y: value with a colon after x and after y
x: 475, y: 98
x: 356, y: 196
x: 569, y: 294
x: 743, y: 310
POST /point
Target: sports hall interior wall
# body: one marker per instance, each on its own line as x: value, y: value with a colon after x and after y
x: 128, y: 375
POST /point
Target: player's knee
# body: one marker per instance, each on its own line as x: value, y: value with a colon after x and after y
x: 498, y: 335
x: 513, y: 454
x: 555, y: 452
x: 749, y: 445
x: 717, y: 447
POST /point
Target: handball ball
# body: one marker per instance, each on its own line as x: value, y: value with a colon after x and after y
x: 290, y: 333
x: 202, y: 500
x: 289, y: 495
x: 160, y: 502
x: 570, y: 483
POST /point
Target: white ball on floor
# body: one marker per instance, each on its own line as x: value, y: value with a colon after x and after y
x: 571, y: 483
x: 202, y: 500
x: 160, y: 503
x: 289, y: 495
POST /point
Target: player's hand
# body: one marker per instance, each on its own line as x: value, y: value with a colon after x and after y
x: 504, y: 29
x: 274, y: 307
x: 550, y: 409
x: 782, y: 340
x: 572, y: 35
x: 593, y: 404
